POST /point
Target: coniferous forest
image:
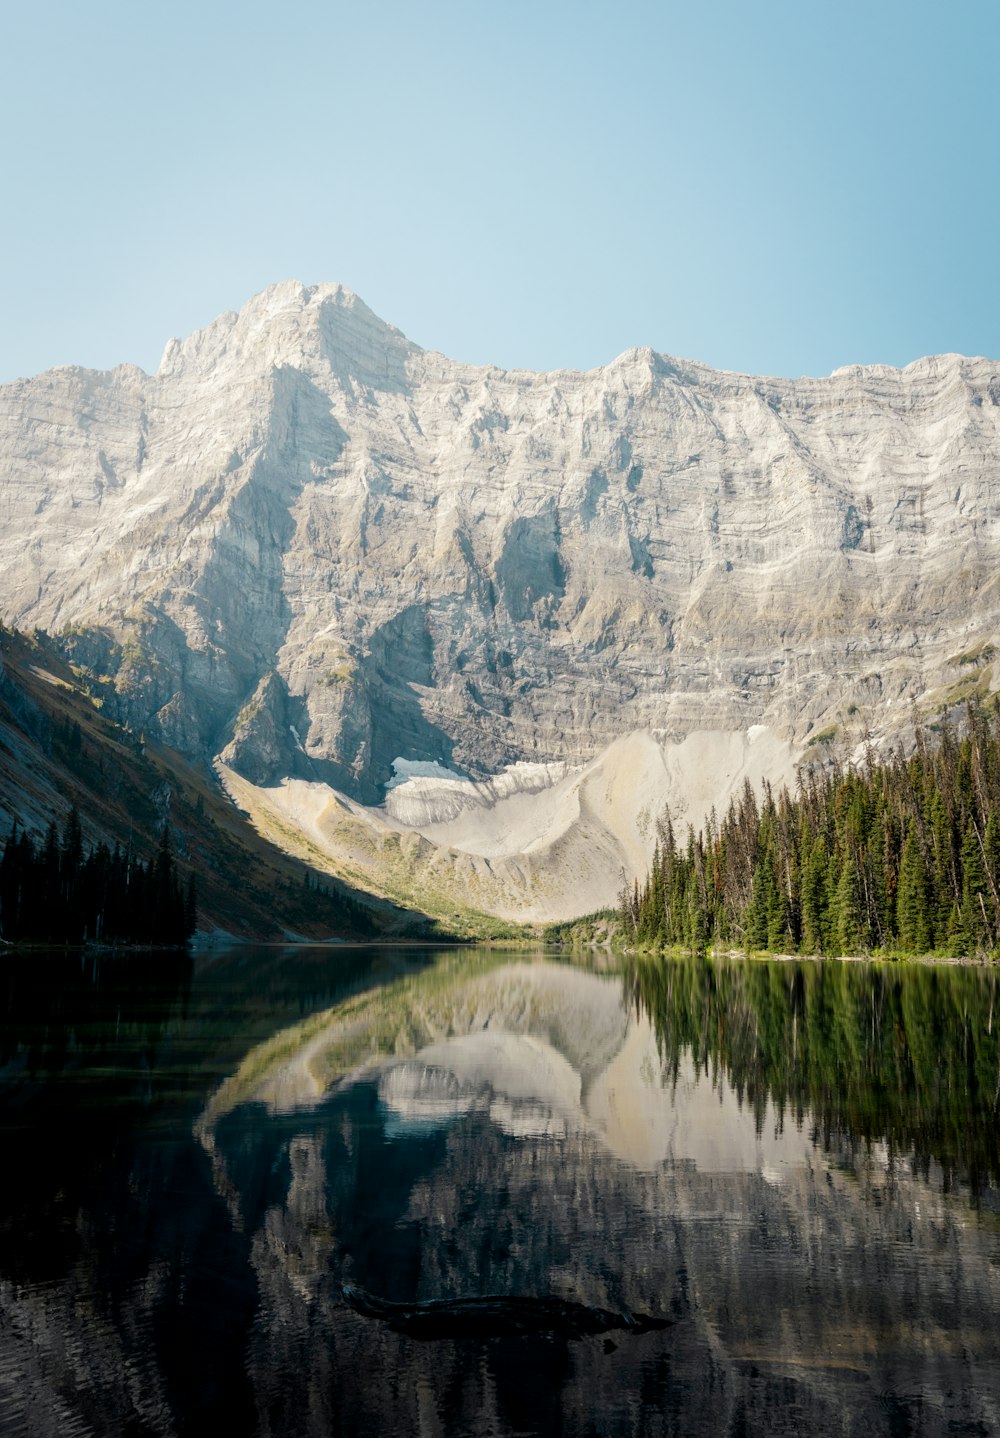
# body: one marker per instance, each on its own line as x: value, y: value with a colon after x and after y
x: 53, y: 893
x: 900, y: 855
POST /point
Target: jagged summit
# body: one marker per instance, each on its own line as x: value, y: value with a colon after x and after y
x: 276, y: 317
x: 292, y: 324
x: 277, y: 323
x: 313, y: 549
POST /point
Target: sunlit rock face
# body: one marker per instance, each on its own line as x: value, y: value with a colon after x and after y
x: 312, y: 547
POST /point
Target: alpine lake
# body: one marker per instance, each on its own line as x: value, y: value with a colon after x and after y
x: 383, y: 1191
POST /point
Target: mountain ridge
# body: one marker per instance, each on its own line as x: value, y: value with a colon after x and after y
x: 266, y: 301
x: 307, y: 549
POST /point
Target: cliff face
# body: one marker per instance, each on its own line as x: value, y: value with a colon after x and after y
x: 314, y: 549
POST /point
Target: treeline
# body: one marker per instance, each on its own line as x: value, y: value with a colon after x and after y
x: 52, y: 892
x: 894, y: 856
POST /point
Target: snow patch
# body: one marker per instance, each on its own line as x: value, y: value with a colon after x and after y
x: 406, y: 769
x: 423, y: 793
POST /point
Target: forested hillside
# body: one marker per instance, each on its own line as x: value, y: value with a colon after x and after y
x: 897, y: 855
x: 56, y: 893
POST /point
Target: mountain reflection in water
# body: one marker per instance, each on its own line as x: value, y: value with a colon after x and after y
x: 797, y: 1163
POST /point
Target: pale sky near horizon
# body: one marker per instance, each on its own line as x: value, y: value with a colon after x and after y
x: 781, y: 188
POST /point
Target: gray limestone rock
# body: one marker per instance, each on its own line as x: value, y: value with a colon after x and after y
x: 259, y: 747
x: 306, y: 520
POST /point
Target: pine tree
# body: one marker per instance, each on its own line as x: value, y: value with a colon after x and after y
x: 975, y: 923
x: 191, y: 907
x: 814, y: 899
x: 911, y: 900
x: 851, y: 938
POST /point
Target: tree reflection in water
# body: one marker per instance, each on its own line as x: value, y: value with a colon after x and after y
x: 902, y: 1054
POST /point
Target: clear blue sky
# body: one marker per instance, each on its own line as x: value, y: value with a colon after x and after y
x: 779, y: 187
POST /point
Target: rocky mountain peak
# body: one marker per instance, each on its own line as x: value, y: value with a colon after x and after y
x: 319, y: 550
x: 296, y: 325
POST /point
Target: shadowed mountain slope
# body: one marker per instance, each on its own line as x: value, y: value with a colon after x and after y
x: 59, y: 750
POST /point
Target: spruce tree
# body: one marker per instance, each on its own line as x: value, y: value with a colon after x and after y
x: 850, y: 939
x: 814, y: 882
x: 975, y: 923
x: 911, y: 899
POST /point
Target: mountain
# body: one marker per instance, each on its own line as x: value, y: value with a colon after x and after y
x: 59, y: 751
x: 466, y: 630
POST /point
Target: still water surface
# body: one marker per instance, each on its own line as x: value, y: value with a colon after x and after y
x: 799, y: 1164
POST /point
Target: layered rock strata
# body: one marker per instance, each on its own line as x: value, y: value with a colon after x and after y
x: 311, y: 548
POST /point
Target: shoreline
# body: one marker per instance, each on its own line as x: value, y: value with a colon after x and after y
x: 968, y: 961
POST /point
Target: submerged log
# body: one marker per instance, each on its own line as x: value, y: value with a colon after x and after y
x: 495, y: 1316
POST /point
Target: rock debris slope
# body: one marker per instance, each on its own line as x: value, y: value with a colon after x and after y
x: 458, y: 610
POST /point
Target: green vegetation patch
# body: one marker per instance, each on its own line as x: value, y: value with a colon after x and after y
x: 973, y: 686
x: 342, y: 674
x: 603, y: 928
x: 981, y: 654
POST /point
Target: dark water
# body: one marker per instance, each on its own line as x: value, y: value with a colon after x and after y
x: 799, y: 1164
